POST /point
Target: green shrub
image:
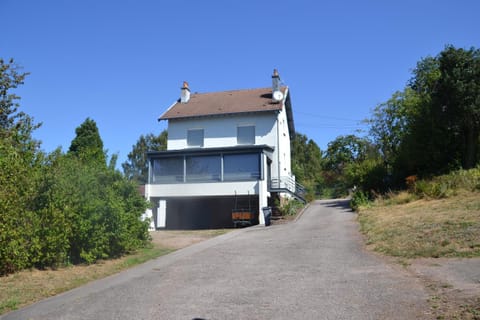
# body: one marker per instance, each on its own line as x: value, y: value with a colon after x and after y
x: 359, y: 199
x: 447, y: 185
x: 290, y: 207
x: 368, y: 175
x: 19, y: 242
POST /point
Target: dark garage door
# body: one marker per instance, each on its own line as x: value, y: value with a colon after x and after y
x: 205, y: 213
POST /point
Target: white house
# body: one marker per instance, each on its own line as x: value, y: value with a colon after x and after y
x: 227, y: 151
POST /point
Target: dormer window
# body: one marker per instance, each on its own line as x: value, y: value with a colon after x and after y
x: 246, y: 135
x: 195, y: 138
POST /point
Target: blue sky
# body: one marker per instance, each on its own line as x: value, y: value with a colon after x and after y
x: 122, y: 62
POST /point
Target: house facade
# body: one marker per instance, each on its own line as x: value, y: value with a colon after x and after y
x: 227, y: 151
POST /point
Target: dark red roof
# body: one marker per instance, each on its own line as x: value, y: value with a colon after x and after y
x: 225, y: 102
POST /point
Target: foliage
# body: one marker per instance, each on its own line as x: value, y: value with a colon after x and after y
x: 345, y: 150
x: 289, y: 207
x: 447, y: 185
x: 306, y: 163
x: 369, y: 175
x: 87, y: 143
x: 101, y: 209
x: 18, y: 171
x: 432, y: 127
x: 390, y: 124
x: 17, y: 221
x: 60, y: 208
x: 342, y: 158
x: 457, y: 95
x: 136, y: 167
x: 359, y: 199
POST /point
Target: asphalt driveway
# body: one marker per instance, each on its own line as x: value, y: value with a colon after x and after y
x: 314, y: 268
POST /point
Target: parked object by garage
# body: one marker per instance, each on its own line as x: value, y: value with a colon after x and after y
x: 242, y: 215
x: 267, y: 213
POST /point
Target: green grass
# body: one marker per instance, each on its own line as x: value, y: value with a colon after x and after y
x: 9, y: 304
x: 143, y: 255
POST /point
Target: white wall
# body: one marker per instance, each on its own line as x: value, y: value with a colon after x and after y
x: 204, y: 189
x: 283, y: 148
x: 222, y: 131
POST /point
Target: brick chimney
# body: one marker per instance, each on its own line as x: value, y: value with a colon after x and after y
x: 185, y: 93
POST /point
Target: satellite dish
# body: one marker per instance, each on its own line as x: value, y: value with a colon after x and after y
x: 277, y: 95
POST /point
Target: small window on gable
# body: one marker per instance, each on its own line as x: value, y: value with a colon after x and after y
x: 246, y: 135
x: 195, y: 137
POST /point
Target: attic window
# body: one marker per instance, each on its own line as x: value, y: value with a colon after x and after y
x: 246, y: 135
x: 195, y: 138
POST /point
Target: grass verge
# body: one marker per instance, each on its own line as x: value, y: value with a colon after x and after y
x: 424, y: 228
x: 29, y: 286
x: 406, y: 227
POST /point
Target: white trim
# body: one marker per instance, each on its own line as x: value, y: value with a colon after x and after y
x: 171, y: 106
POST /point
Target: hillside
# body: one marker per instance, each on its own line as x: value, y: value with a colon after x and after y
x: 433, y: 230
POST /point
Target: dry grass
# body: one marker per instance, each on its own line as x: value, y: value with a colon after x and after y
x: 26, y: 287
x: 424, y: 228
x: 405, y: 227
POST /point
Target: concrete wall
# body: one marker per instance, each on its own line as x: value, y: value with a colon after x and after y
x: 222, y: 131
x: 283, y: 146
x: 203, y: 189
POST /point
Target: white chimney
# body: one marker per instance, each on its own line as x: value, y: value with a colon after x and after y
x: 276, y: 92
x: 185, y: 93
x: 275, y: 81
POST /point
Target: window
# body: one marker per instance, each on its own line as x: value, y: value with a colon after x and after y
x: 238, y: 167
x: 203, y: 168
x: 246, y: 135
x: 195, y: 138
x: 168, y: 170
x: 206, y: 168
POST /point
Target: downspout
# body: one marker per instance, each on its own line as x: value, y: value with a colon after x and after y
x: 278, y: 149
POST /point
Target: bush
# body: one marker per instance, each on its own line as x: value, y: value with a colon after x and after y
x: 65, y: 211
x: 368, y: 175
x: 103, y: 210
x: 359, y: 199
x: 290, y: 207
x: 19, y: 240
x: 447, y: 185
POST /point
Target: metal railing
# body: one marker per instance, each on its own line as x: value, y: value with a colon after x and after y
x: 288, y: 184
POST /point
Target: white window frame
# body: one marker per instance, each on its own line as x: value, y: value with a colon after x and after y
x: 250, y: 141
x: 192, y: 141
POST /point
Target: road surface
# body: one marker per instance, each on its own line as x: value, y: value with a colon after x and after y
x: 314, y: 268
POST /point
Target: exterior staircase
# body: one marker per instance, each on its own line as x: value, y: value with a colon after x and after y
x: 287, y: 184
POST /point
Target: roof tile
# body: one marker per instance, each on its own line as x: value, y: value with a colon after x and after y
x: 225, y: 102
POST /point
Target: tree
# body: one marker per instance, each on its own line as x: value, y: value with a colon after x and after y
x: 136, y: 167
x: 60, y: 208
x: 342, y: 153
x: 16, y: 127
x: 87, y: 144
x: 457, y: 96
x: 391, y: 123
x: 433, y: 125
x: 344, y: 150
x: 306, y: 163
x: 19, y: 164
